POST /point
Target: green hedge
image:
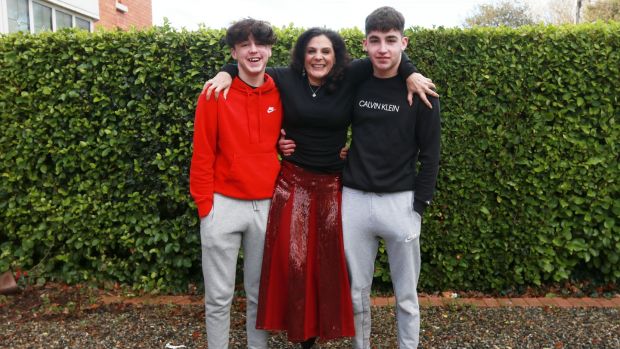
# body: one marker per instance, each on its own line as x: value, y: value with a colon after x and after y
x: 96, y: 131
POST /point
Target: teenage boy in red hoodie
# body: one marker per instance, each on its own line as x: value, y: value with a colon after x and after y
x: 232, y: 177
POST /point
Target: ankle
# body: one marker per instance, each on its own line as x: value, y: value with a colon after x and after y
x: 307, y: 344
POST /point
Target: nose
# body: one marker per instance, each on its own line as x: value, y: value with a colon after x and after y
x: 253, y: 47
x: 382, y: 47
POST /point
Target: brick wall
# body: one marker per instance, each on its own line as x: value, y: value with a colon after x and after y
x: 139, y: 14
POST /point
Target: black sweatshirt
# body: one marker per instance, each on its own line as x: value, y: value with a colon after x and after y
x: 318, y: 125
x: 389, y: 138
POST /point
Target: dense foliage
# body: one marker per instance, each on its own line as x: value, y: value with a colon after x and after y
x: 96, y: 132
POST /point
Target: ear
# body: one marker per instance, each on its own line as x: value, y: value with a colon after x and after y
x: 404, y: 42
x: 365, y: 45
x: 233, y: 53
x: 269, y: 51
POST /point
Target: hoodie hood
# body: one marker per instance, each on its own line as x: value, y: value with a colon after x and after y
x: 267, y: 87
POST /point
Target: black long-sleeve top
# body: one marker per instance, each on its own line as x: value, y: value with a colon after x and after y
x: 390, y: 138
x: 318, y: 125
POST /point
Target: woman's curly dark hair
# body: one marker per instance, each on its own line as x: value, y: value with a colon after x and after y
x: 335, y: 75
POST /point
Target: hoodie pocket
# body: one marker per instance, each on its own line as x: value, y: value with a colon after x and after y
x: 255, y: 169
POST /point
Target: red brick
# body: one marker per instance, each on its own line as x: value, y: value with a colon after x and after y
x: 577, y: 302
x: 436, y: 301
x: 505, y: 302
x: 491, y: 302
x: 547, y: 301
x: 591, y: 302
x: 140, y: 14
x: 533, y: 302
x: 379, y: 301
x: 478, y: 302
x: 563, y: 302
x: 519, y: 302
x: 424, y: 301
x: 608, y: 303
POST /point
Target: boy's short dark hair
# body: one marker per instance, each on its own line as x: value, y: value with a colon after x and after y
x: 385, y: 19
x: 240, y: 31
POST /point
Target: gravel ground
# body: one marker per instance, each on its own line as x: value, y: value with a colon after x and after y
x: 153, y: 326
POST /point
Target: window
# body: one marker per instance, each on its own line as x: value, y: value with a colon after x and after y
x: 82, y: 23
x: 18, y: 15
x: 42, y: 17
x: 63, y: 20
x: 37, y: 16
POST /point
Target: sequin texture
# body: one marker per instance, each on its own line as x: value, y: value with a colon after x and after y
x: 304, y: 287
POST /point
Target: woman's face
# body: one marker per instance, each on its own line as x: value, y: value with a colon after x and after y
x: 319, y: 59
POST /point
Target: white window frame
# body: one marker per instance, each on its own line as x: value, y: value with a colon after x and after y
x: 4, y: 18
x: 4, y: 13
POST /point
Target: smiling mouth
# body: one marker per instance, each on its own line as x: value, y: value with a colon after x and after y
x: 254, y: 60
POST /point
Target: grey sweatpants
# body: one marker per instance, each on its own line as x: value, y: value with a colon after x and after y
x: 230, y: 223
x: 366, y: 217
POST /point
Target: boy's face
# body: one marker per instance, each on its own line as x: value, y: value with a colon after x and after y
x: 384, y: 50
x: 251, y: 56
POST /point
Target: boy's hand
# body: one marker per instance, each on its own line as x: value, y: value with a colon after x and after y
x: 420, y: 85
x: 220, y: 82
x: 344, y: 152
x: 286, y: 146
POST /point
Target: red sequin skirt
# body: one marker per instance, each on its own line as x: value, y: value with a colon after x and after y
x: 304, y: 286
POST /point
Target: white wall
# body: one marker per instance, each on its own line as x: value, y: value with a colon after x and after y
x: 4, y: 26
x: 89, y: 8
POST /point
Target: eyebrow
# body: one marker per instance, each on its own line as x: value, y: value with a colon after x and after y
x: 318, y: 48
x: 387, y: 37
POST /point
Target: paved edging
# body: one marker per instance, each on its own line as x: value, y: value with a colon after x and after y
x: 425, y: 301
x: 527, y: 302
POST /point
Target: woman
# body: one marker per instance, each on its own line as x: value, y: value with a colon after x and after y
x: 304, y: 286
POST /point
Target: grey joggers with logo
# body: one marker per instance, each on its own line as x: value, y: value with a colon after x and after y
x: 230, y: 223
x: 366, y: 217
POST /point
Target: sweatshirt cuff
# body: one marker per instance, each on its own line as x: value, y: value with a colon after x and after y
x: 419, y: 206
x: 204, y: 208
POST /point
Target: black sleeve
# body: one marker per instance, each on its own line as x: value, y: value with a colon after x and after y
x: 406, y: 66
x: 275, y: 73
x: 360, y: 70
x: 428, y: 134
x: 231, y: 69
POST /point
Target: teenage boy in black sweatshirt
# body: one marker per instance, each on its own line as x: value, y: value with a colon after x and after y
x: 384, y: 196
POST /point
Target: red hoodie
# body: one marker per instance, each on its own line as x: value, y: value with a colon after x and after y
x: 235, y: 143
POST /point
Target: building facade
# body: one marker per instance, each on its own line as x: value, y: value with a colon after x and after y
x: 125, y: 14
x: 35, y: 16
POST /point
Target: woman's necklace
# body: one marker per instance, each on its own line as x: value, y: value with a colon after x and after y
x: 314, y: 92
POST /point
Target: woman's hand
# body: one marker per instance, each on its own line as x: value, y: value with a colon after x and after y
x: 420, y: 85
x: 221, y: 82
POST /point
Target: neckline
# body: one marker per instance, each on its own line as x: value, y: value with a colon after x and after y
x: 314, y: 91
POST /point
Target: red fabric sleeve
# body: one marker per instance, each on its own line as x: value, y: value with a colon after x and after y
x: 201, y: 174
